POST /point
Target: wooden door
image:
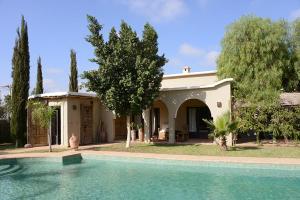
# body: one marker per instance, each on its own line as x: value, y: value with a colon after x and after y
x: 86, y: 124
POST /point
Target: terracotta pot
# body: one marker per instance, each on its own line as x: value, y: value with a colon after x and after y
x: 74, y: 142
x: 141, y: 135
x: 132, y: 132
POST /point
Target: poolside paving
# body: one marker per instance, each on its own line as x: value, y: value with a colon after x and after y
x: 22, y: 153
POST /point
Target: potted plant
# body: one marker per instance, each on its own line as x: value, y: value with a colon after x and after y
x: 222, y: 127
x: 141, y: 131
x: 133, y: 131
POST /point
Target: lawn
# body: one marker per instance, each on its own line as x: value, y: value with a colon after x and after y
x: 181, y: 149
x: 207, y: 150
x: 7, y: 146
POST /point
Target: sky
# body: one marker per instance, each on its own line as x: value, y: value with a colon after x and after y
x: 190, y: 31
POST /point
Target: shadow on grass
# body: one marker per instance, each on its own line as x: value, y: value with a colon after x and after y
x: 244, y: 148
x: 172, y: 145
x: 7, y: 146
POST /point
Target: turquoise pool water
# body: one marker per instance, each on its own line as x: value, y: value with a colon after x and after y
x: 101, y: 177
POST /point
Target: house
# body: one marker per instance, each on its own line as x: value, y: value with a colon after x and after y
x: 184, y: 100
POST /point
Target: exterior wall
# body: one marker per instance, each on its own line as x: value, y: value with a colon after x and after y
x: 169, y: 104
x: 173, y: 99
x: 188, y: 80
x: 73, y: 120
x: 96, y: 119
x: 221, y: 93
x: 101, y: 117
x: 107, y: 117
x: 70, y: 108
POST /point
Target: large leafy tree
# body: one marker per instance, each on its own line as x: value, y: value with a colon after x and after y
x: 296, y: 42
x: 285, y: 122
x: 258, y: 53
x: 20, y: 85
x: 39, y: 89
x: 130, y: 69
x: 73, y: 82
x: 261, y: 56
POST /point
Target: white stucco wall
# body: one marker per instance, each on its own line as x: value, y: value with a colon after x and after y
x: 73, y: 117
x: 187, y: 80
x: 107, y: 117
x: 221, y: 93
x: 209, y: 95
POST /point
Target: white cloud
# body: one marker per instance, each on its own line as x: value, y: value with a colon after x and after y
x: 158, y: 10
x: 211, y: 58
x: 189, y: 50
x: 54, y: 70
x: 295, y: 14
x: 51, y: 85
x: 203, y: 57
x: 175, y: 62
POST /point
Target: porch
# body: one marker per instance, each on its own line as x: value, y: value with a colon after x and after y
x: 189, y: 124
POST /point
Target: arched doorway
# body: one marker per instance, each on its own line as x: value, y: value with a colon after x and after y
x: 189, y: 117
x: 159, y: 120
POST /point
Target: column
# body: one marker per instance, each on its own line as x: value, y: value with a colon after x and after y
x: 172, y: 129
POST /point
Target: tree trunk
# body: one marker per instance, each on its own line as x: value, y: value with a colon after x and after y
x: 49, y: 139
x: 257, y: 138
x: 223, y: 143
x: 286, y: 140
x: 234, y: 139
x: 128, y: 131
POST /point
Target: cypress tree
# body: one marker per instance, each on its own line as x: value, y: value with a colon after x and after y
x: 73, y: 82
x: 39, y: 78
x: 20, y: 85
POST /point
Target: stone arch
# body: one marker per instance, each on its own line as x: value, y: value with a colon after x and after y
x: 188, y: 98
x: 189, y: 117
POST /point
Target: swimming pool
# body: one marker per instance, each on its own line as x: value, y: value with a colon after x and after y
x: 104, y: 177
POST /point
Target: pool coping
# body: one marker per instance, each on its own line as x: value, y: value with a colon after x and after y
x: 223, y: 159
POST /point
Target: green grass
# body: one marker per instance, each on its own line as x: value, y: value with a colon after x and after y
x: 208, y: 150
x: 7, y: 146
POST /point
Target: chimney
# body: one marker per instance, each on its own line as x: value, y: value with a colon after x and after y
x: 186, y: 70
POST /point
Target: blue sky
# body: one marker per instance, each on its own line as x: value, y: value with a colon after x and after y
x: 189, y: 31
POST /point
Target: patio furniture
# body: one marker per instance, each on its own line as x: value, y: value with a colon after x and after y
x: 182, y: 135
x: 163, y: 133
